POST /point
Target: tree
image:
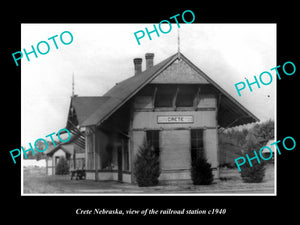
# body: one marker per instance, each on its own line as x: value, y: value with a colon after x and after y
x: 264, y: 131
x: 29, y: 154
x: 62, y: 166
x: 256, y: 172
x: 146, y: 166
x: 201, y: 172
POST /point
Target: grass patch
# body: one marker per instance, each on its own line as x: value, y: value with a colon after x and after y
x: 36, y: 182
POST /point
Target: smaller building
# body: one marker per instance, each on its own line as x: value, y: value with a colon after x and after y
x: 74, y: 155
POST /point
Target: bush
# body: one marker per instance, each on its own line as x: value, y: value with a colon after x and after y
x: 256, y: 173
x: 62, y: 166
x: 146, y: 166
x: 201, y: 172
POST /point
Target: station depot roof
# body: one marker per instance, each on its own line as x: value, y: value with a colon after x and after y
x: 95, y: 110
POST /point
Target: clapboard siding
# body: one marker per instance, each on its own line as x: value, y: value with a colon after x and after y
x: 175, y: 153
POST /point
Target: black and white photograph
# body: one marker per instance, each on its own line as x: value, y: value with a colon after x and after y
x: 107, y: 110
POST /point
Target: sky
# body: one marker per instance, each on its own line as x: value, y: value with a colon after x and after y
x: 102, y: 55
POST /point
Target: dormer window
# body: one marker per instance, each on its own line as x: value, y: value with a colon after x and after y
x: 175, y: 96
x: 164, y: 96
x: 185, y: 96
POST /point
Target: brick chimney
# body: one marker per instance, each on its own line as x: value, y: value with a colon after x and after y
x: 149, y: 60
x: 137, y: 65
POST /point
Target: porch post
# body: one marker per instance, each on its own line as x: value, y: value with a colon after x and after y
x: 95, y: 155
x: 86, y: 149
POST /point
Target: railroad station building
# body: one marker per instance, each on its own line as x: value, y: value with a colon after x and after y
x: 173, y: 105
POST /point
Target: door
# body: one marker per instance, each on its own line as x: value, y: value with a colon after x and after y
x: 175, y: 150
x: 120, y: 164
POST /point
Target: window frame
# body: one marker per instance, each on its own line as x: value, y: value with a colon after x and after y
x: 154, y: 135
x: 197, y: 144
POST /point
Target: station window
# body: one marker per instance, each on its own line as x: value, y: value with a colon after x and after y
x: 153, y: 139
x: 164, y: 96
x: 186, y: 95
x: 197, y: 148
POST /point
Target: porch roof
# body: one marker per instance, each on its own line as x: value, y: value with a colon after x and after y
x: 84, y: 106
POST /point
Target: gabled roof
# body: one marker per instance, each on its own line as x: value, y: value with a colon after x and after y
x: 69, y: 149
x: 66, y: 147
x: 84, y: 106
x: 123, y: 91
x: 49, y: 149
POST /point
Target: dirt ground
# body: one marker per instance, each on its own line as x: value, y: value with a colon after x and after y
x: 36, y: 182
